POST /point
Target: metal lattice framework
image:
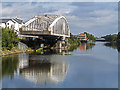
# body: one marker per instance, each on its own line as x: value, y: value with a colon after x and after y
x: 47, y: 25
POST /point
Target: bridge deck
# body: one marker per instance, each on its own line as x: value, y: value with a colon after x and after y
x: 45, y: 32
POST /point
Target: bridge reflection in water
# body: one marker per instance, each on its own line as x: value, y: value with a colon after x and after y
x: 42, y: 68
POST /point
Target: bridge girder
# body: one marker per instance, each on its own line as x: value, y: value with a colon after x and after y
x: 42, y: 26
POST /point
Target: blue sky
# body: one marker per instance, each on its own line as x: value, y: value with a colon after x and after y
x: 98, y: 18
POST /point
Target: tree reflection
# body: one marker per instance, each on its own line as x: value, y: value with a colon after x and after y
x: 118, y: 49
x: 9, y: 65
x: 90, y: 46
x: 71, y: 49
x: 112, y: 45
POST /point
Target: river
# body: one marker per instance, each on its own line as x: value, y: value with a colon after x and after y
x: 88, y: 66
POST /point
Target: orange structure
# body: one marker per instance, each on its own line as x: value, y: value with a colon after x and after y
x: 81, y: 37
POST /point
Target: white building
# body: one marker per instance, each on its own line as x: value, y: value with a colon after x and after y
x: 6, y: 23
x: 12, y: 24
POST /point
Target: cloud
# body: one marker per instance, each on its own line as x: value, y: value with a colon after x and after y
x: 61, y: 12
x: 96, y: 18
x: 96, y: 25
x: 23, y: 10
x: 30, y: 9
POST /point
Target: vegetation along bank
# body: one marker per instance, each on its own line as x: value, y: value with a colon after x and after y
x: 113, y: 40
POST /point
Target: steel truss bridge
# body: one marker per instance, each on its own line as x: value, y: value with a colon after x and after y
x: 46, y: 26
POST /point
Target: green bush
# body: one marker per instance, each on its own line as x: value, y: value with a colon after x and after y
x: 73, y: 41
x: 9, y: 39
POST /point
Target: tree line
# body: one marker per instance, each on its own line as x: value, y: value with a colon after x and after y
x: 113, y: 39
x: 110, y: 38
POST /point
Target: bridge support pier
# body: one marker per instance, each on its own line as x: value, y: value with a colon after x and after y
x: 61, y: 44
x: 63, y: 38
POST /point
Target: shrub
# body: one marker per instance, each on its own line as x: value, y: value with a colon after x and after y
x: 9, y: 39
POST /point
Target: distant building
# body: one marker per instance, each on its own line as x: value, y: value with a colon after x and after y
x: 11, y: 24
x: 81, y: 37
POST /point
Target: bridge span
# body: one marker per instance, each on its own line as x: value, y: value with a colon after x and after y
x: 46, y: 26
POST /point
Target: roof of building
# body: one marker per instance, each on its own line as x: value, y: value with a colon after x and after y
x: 13, y: 20
x: 82, y: 35
x: 5, y: 20
x: 18, y: 20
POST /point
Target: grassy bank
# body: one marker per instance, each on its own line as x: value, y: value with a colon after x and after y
x: 29, y: 50
x: 39, y: 50
x: 14, y: 50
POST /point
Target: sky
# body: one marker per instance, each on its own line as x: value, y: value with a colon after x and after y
x: 97, y: 18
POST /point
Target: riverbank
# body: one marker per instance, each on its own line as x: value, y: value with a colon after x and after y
x: 14, y: 50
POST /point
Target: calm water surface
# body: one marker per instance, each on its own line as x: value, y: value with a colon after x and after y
x: 88, y: 66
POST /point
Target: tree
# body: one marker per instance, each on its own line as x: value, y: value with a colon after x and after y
x: 118, y: 41
x: 9, y: 39
x: 111, y: 38
x: 90, y: 37
x: 73, y: 41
